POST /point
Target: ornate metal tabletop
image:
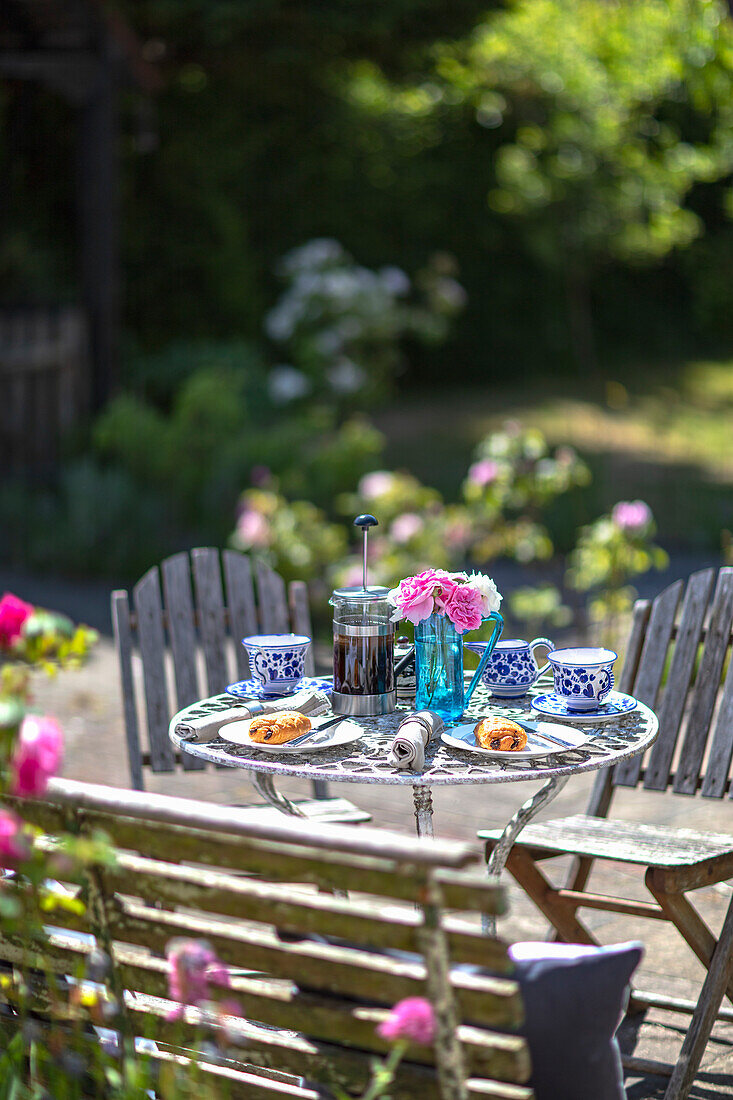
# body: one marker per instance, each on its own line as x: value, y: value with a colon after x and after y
x: 365, y: 760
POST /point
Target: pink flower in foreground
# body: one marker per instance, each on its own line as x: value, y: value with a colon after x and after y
x: 483, y: 472
x: 13, y: 613
x: 464, y: 607
x: 412, y: 1019
x: 632, y: 515
x: 37, y: 755
x: 192, y: 967
x: 252, y: 528
x: 14, y: 845
x: 406, y: 526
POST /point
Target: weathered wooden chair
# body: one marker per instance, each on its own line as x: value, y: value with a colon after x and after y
x: 309, y: 1007
x: 202, y: 626
x: 675, y: 662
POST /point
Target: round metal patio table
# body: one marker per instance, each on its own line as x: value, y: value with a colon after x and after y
x: 365, y: 760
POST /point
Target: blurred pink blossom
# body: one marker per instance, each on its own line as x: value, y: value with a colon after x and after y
x: 483, y: 472
x: 406, y: 526
x: 412, y: 1019
x: 632, y: 515
x: 37, y: 755
x: 252, y: 528
x: 13, y: 613
x: 565, y: 456
x: 376, y: 484
x: 192, y: 966
x: 14, y: 845
x: 457, y: 534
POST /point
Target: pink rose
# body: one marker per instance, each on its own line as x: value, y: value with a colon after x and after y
x: 632, y: 515
x: 37, y: 755
x: 412, y: 1019
x: 406, y: 526
x: 14, y: 845
x: 463, y: 605
x: 483, y: 472
x: 13, y: 613
x: 413, y: 597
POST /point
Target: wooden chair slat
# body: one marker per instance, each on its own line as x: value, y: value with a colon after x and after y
x: 212, y: 623
x: 651, y: 667
x: 707, y: 684
x: 694, y: 606
x: 300, y: 618
x: 151, y: 639
x: 176, y: 573
x: 716, y: 781
x: 241, y: 603
x: 123, y: 641
x: 639, y: 619
x: 272, y: 600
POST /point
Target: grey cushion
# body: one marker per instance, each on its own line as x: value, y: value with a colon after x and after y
x: 574, y: 997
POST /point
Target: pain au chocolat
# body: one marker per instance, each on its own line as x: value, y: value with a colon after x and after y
x: 500, y: 735
x: 278, y: 728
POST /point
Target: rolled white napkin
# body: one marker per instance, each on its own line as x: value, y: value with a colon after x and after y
x: 206, y: 726
x: 413, y: 735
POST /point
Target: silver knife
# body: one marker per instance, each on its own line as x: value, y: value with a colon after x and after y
x: 532, y: 727
x: 316, y: 729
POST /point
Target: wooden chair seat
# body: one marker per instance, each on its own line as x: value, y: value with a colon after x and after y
x: 313, y: 809
x: 624, y: 842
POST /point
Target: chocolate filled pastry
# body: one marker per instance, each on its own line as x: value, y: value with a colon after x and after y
x: 500, y: 734
x: 278, y: 728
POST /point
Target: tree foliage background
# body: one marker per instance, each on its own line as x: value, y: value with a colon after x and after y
x: 575, y: 156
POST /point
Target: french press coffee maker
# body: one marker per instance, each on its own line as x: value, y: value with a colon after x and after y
x: 363, y: 644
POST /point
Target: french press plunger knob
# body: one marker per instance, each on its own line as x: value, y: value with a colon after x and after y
x: 364, y: 522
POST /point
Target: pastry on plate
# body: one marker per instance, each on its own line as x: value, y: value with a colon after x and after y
x: 278, y: 728
x: 500, y: 735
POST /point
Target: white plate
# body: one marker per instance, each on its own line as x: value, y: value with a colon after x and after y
x: 341, y: 734
x: 616, y: 706
x: 463, y: 737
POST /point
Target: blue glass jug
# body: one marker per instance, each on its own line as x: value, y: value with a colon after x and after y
x: 439, y: 665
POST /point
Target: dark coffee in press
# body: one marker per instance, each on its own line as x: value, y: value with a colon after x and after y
x: 363, y: 663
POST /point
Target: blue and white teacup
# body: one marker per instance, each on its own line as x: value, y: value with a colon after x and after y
x: 512, y: 667
x: 277, y: 660
x: 583, y: 676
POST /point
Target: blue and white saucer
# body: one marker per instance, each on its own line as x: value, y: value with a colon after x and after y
x: 253, y: 689
x: 552, y: 705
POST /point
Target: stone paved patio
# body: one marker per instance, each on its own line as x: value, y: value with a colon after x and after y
x: 88, y: 704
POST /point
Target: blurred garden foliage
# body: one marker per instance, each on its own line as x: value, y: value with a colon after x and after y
x: 574, y: 155
x: 324, y: 199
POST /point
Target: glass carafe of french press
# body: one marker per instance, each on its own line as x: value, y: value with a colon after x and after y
x: 363, y: 644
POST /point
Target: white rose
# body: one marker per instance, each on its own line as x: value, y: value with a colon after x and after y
x: 490, y: 595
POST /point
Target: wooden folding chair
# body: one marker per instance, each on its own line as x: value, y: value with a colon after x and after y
x: 183, y: 637
x: 677, y: 661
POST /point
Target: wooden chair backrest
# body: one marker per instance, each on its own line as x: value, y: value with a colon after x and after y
x: 186, y: 868
x: 173, y: 620
x: 678, y: 662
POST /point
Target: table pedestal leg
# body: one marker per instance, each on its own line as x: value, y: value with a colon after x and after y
x: 423, y: 799
x: 529, y: 809
x: 266, y: 787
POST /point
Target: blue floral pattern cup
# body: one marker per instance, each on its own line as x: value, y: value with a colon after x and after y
x: 513, y: 667
x: 277, y: 660
x: 583, y: 676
